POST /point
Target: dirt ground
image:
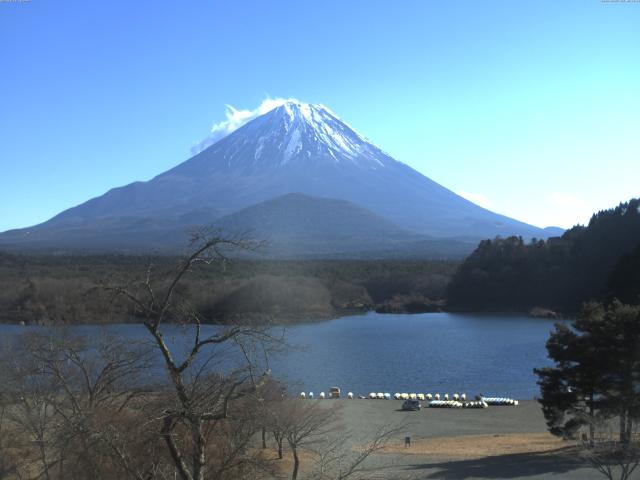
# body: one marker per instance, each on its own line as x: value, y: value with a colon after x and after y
x: 478, y: 446
x: 497, y: 442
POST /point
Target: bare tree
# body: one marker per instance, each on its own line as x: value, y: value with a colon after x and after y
x: 271, y: 395
x: 28, y: 401
x: 305, y: 422
x: 206, y: 378
x: 88, y: 408
x: 314, y: 428
x: 75, y: 400
x: 607, y: 454
x: 342, y: 457
x: 9, y: 465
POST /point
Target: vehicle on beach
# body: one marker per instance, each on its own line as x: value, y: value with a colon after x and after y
x: 411, y: 405
x: 334, y: 392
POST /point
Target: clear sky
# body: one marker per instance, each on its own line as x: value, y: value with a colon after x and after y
x: 532, y: 108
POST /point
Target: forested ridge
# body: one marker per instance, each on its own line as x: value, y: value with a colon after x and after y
x: 50, y: 289
x: 595, y: 262
x: 600, y: 261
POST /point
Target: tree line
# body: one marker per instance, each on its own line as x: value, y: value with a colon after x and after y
x: 53, y: 290
x: 594, y: 262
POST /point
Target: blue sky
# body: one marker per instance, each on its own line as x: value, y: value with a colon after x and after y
x: 531, y: 108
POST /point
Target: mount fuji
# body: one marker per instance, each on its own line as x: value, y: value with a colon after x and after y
x: 294, y: 148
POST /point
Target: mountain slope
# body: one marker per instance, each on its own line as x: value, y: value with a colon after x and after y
x: 297, y: 225
x: 298, y: 216
x: 293, y: 148
x: 290, y: 226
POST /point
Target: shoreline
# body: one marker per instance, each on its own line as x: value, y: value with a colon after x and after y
x: 302, y: 320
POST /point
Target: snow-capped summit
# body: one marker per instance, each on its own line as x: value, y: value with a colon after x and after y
x: 297, y: 133
x: 325, y: 133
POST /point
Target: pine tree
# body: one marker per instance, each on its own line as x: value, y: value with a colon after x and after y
x: 596, y: 373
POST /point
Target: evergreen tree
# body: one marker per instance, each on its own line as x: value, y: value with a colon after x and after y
x: 596, y: 373
x: 596, y: 262
x: 619, y: 345
x: 624, y: 282
x: 571, y: 394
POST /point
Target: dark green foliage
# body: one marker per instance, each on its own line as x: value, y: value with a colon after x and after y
x: 571, y: 395
x: 624, y: 283
x: 560, y: 273
x: 596, y: 373
x: 619, y: 344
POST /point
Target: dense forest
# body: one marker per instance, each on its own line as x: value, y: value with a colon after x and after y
x: 49, y: 289
x: 598, y: 262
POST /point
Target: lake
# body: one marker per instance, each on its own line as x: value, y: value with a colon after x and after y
x: 431, y: 352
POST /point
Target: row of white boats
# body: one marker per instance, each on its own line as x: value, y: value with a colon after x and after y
x: 435, y: 400
x: 484, y: 402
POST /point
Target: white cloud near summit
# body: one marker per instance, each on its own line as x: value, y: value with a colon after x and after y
x: 235, y: 119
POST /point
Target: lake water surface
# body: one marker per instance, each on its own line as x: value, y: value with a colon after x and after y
x: 431, y: 352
